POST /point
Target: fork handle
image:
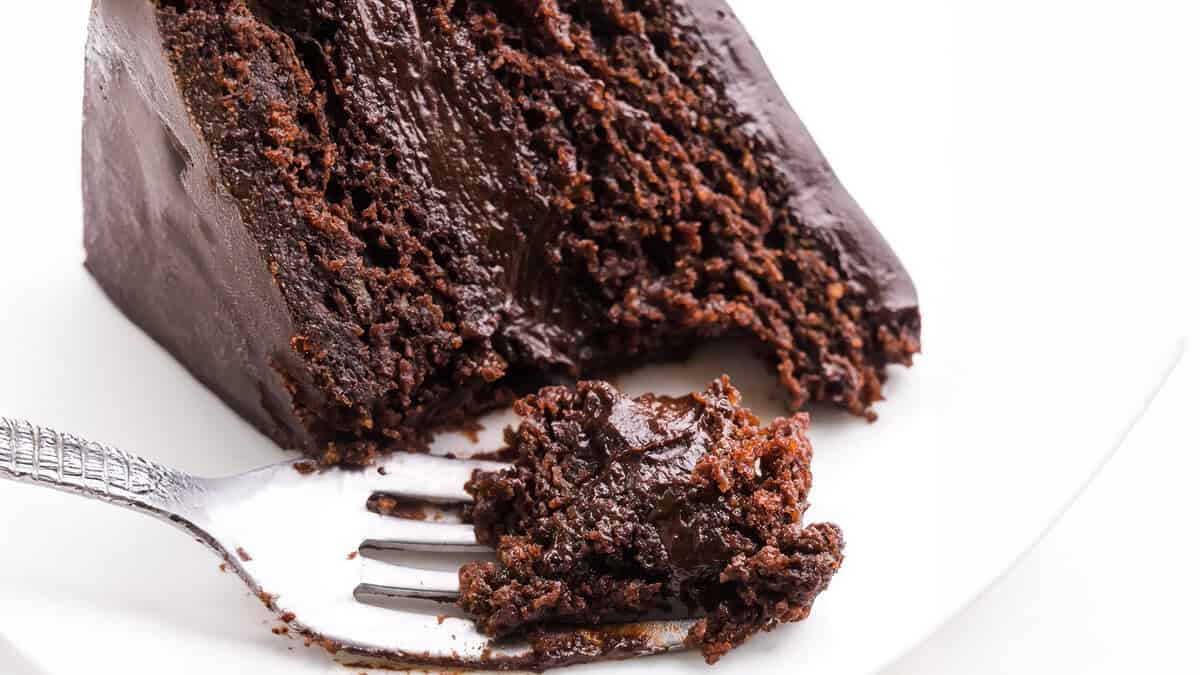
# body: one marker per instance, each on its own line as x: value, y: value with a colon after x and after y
x: 34, y: 454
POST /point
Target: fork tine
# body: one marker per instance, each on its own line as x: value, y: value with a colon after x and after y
x: 398, y: 534
x: 397, y: 581
x: 428, y: 477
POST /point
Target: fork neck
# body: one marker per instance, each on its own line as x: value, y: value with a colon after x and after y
x: 42, y: 456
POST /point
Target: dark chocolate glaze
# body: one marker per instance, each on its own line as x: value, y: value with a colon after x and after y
x: 824, y: 204
x: 164, y: 237
x: 339, y: 216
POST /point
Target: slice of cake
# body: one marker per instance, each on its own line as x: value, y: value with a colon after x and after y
x: 357, y: 220
x: 618, y: 506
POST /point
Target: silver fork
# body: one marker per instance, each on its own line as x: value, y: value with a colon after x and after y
x: 303, y: 541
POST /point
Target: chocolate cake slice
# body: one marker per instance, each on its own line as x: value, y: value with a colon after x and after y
x: 618, y: 506
x: 357, y: 219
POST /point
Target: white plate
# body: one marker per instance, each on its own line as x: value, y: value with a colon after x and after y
x: 1027, y: 380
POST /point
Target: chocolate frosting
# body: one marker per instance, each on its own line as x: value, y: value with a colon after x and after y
x: 823, y: 203
x: 164, y: 237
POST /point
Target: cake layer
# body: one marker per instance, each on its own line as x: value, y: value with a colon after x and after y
x: 358, y: 219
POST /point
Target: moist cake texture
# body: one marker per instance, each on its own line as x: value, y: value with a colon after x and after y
x: 618, y: 506
x: 358, y: 219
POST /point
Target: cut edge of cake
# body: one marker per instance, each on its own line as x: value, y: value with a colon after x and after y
x: 191, y: 220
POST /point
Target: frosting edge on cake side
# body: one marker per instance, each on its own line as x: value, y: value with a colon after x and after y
x: 164, y: 239
x: 864, y: 253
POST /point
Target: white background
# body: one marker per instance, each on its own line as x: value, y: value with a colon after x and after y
x: 1113, y: 586
x: 1034, y: 164
x: 1089, y: 111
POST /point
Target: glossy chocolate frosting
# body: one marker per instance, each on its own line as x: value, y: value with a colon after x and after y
x: 164, y: 237
x: 862, y: 252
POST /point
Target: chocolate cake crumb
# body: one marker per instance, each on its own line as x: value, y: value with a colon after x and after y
x: 470, y: 430
x: 387, y: 505
x: 619, y: 506
x: 358, y: 226
x: 566, y: 647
